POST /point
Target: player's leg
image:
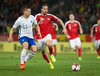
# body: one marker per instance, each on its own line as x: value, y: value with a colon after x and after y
x: 33, y: 48
x: 48, y: 41
x: 97, y: 44
x: 54, y: 42
x: 39, y: 42
x: 72, y: 44
x: 55, y: 50
x: 24, y: 43
x: 44, y: 54
x: 78, y: 46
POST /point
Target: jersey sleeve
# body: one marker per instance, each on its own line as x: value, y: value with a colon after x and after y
x: 79, y: 25
x: 35, y: 21
x: 93, y: 27
x: 16, y: 24
x: 54, y: 18
x: 66, y: 24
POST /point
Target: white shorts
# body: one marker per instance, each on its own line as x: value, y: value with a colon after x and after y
x: 42, y: 42
x: 54, y: 41
x: 75, y: 42
x: 97, y: 43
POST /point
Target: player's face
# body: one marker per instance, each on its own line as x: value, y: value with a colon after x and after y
x: 27, y: 12
x: 71, y: 17
x: 98, y: 22
x: 44, y: 10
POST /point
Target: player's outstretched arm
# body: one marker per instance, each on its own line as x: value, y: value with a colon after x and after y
x: 81, y: 30
x: 38, y: 29
x: 66, y: 34
x: 61, y: 22
x: 10, y: 39
x: 91, y: 33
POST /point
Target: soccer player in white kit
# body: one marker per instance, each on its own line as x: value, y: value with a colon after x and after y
x: 25, y: 24
x: 96, y: 29
x: 72, y: 27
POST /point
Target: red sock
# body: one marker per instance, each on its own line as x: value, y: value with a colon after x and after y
x: 55, y: 50
x: 98, y: 51
x: 50, y: 50
x: 79, y: 52
x: 45, y: 57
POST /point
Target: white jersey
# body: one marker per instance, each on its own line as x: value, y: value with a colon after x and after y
x: 25, y: 26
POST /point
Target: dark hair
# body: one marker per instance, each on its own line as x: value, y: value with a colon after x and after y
x: 44, y: 5
x: 71, y: 13
x: 25, y: 8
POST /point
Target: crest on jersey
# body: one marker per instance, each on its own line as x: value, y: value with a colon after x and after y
x: 75, y: 24
x: 31, y: 21
x: 48, y: 18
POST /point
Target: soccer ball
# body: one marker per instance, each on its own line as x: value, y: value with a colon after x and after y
x: 76, y: 67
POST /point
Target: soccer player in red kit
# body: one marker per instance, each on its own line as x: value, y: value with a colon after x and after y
x: 45, y: 27
x: 96, y: 29
x: 54, y: 29
x: 72, y: 27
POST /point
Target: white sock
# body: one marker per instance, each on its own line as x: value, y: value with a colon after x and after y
x: 29, y: 55
x: 23, y: 54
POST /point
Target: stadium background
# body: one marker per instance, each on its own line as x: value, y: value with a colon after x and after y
x: 86, y: 12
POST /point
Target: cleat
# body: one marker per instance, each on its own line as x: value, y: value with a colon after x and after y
x: 98, y: 57
x: 53, y: 58
x: 51, y: 65
x: 54, y: 55
x: 22, y: 67
x: 79, y: 58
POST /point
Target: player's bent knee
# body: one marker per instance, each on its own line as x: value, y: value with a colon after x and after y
x: 25, y: 45
x: 33, y: 48
x: 73, y: 49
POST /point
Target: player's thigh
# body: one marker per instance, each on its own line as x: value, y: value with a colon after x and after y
x: 96, y: 44
x: 54, y: 41
x: 24, y: 42
x: 99, y: 43
x: 39, y: 41
x: 78, y: 42
x: 72, y: 43
x: 32, y: 45
x: 48, y: 40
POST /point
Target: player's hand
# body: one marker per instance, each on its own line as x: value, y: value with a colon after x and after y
x: 42, y: 19
x: 40, y: 35
x: 10, y: 39
x: 91, y: 36
x: 68, y: 36
x: 64, y: 30
x: 81, y: 31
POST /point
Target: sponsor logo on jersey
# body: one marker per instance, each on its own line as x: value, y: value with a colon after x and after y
x: 31, y: 21
x: 48, y: 18
x: 75, y: 24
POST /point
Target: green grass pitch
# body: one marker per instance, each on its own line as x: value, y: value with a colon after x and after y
x: 37, y: 66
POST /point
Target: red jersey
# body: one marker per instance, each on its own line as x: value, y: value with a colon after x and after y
x: 72, y: 29
x: 96, y: 28
x: 53, y: 30
x: 45, y: 26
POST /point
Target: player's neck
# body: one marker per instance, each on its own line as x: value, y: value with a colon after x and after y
x: 26, y: 17
x: 43, y: 14
x: 72, y: 21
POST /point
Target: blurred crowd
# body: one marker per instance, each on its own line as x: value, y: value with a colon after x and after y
x: 86, y: 11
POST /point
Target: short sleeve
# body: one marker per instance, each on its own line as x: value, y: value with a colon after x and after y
x: 79, y: 25
x: 35, y: 22
x: 54, y: 18
x: 16, y: 24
